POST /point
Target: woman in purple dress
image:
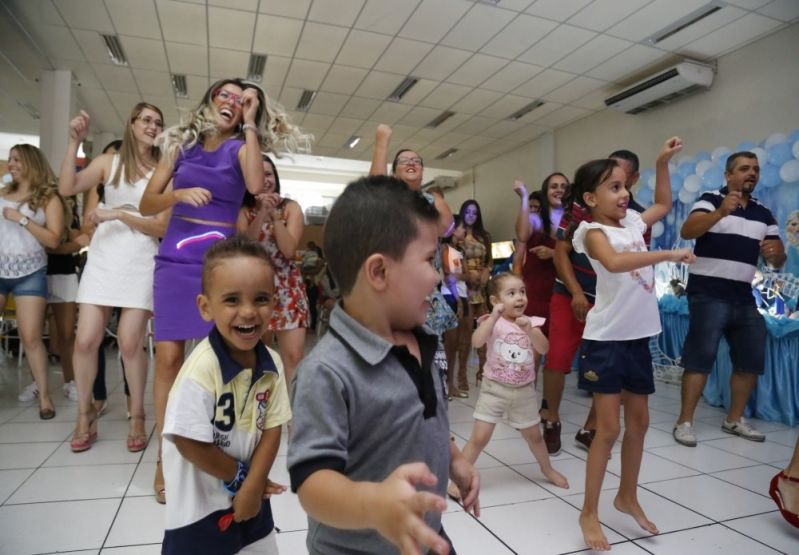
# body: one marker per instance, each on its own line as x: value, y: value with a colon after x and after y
x: 211, y: 159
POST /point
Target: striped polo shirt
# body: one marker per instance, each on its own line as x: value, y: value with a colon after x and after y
x: 727, y: 254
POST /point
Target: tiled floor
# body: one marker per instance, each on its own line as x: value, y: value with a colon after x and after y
x: 711, y: 499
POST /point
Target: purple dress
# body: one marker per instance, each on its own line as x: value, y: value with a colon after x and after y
x: 178, y: 265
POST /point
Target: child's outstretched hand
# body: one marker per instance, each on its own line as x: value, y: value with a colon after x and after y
x: 520, y: 188
x: 273, y: 488
x: 246, y: 503
x: 669, y: 149
x: 398, y: 509
x: 497, y: 311
x: 683, y: 255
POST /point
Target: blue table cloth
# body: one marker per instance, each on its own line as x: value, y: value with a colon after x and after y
x: 776, y: 397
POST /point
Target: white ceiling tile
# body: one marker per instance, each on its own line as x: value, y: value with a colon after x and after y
x: 153, y: 83
x: 328, y: 103
x: 559, y: 10
x: 453, y: 139
x: 82, y: 71
x: 544, y: 82
x: 231, y: 29
x: 654, y: 17
x: 287, y: 8
x: 390, y: 113
x: 96, y: 100
x: 340, y: 12
x: 187, y: 58
x: 317, y: 122
x: 378, y: 84
x: 361, y: 108
x: 511, y: 76
x: 562, y: 116
x: 385, y: 16
x: 556, y: 45
x: 748, y: 4
x: 320, y: 42
x: 246, y: 5
x: 345, y: 126
x: 574, y: 89
x: 332, y: 140
x: 145, y: 53
x: 420, y: 90
x: 518, y: 36
x: 603, y: 13
x: 593, y: 53
x: 595, y: 100
x: 343, y: 79
x: 36, y: 12
x: 505, y: 106
x: 420, y: 116
x: 630, y: 62
x: 433, y: 19
x: 174, y: 15
x: 475, y: 125
x: 733, y: 36
x: 276, y: 35
x: 290, y: 97
x: 476, y: 101
x: 476, y: 142
x: 442, y: 61
x: 362, y: 49
x: 306, y: 74
x: 115, y: 78
x: 526, y: 133
x: 502, y: 128
x: 540, y: 112
x: 85, y: 14
x: 403, y: 55
x: 477, y: 69
x: 275, y: 72
x: 228, y: 62
x: 428, y: 137
x: 138, y: 19
x: 784, y: 10
x: 197, y: 86
x: 57, y: 42
x: 445, y: 95
x: 701, y: 28
x: 325, y: 151
x: 477, y: 27
x: 92, y: 46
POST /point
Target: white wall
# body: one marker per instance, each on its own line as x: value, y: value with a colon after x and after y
x: 755, y: 93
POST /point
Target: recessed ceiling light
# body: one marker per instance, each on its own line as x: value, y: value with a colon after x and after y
x: 441, y: 118
x: 352, y: 141
x: 684, y: 22
x: 255, y: 69
x: 114, y: 49
x: 179, y: 85
x: 524, y: 110
x: 306, y: 100
x: 402, y: 89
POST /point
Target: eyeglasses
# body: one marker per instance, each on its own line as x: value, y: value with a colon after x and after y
x: 148, y: 121
x: 404, y: 161
x: 226, y: 96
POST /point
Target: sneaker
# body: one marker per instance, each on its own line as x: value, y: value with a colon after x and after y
x: 684, y: 434
x: 744, y: 429
x: 30, y: 393
x: 71, y: 390
x: 552, y: 436
x: 583, y: 439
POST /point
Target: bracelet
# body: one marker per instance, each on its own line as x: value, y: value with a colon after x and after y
x: 232, y: 487
x: 247, y: 126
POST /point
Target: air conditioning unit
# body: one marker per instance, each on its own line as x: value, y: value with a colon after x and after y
x: 316, y: 215
x: 676, y: 82
x: 443, y: 181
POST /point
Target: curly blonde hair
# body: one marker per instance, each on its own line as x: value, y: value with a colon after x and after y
x: 276, y: 133
x: 37, y: 170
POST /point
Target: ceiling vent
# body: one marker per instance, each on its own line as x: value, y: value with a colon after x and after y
x: 352, y: 142
x: 179, y: 85
x: 402, y: 89
x: 306, y: 100
x: 441, y: 118
x: 114, y: 49
x: 684, y: 22
x: 666, y: 86
x: 446, y: 154
x: 255, y: 69
x: 30, y: 109
x: 523, y: 111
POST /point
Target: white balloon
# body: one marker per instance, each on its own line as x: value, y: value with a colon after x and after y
x: 703, y: 166
x: 718, y: 153
x: 762, y: 155
x: 692, y: 183
x: 686, y: 197
x: 776, y: 139
x: 789, y: 172
x: 684, y: 158
x: 796, y: 150
x: 657, y: 230
x: 670, y: 218
x: 672, y: 167
x: 651, y: 182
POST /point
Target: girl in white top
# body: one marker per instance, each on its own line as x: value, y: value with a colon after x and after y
x: 615, y: 363
x: 119, y: 270
x: 32, y: 219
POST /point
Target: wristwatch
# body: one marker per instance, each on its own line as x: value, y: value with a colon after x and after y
x: 24, y: 221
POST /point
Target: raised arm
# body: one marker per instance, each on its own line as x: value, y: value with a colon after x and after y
x: 599, y: 248
x: 380, y: 152
x: 288, y: 234
x: 662, y: 201
x: 523, y: 226
x: 71, y: 183
x: 445, y: 219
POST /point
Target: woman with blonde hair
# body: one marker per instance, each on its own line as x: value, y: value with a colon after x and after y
x: 32, y: 220
x: 211, y: 159
x: 119, y: 269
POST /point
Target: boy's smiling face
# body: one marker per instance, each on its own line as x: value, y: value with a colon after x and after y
x: 238, y: 298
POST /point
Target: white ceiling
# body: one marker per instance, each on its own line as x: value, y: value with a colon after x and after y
x: 481, y: 61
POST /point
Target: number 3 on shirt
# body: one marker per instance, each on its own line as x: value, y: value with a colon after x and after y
x: 225, y: 414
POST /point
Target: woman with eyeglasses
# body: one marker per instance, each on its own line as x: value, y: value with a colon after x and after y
x: 119, y: 269
x: 210, y: 159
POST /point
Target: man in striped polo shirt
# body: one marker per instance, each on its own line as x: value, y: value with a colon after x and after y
x: 732, y: 230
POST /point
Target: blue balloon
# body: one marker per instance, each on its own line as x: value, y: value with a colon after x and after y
x: 676, y: 182
x: 713, y: 179
x: 745, y: 145
x: 702, y: 155
x: 686, y: 168
x: 770, y: 176
x: 779, y: 154
x: 793, y: 136
x: 723, y: 161
x: 645, y: 175
x: 644, y: 196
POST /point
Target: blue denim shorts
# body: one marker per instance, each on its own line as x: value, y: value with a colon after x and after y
x: 32, y: 285
x: 739, y: 323
x: 613, y: 366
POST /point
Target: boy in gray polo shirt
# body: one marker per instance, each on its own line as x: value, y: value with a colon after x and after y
x: 371, y: 452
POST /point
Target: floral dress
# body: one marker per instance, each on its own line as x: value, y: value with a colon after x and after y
x: 475, y: 257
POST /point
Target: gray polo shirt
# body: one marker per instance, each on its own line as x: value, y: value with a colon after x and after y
x: 362, y: 409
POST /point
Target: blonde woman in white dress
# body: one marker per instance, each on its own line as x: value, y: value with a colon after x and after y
x: 119, y: 270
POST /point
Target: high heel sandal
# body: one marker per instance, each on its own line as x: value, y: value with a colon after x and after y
x: 83, y: 442
x: 774, y: 492
x: 137, y: 442
x: 158, y: 483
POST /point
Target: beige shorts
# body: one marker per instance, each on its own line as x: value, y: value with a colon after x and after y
x: 63, y: 288
x: 519, y: 403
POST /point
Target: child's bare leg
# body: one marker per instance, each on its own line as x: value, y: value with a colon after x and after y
x: 539, y: 449
x: 607, y: 411
x: 481, y: 435
x: 636, y: 422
